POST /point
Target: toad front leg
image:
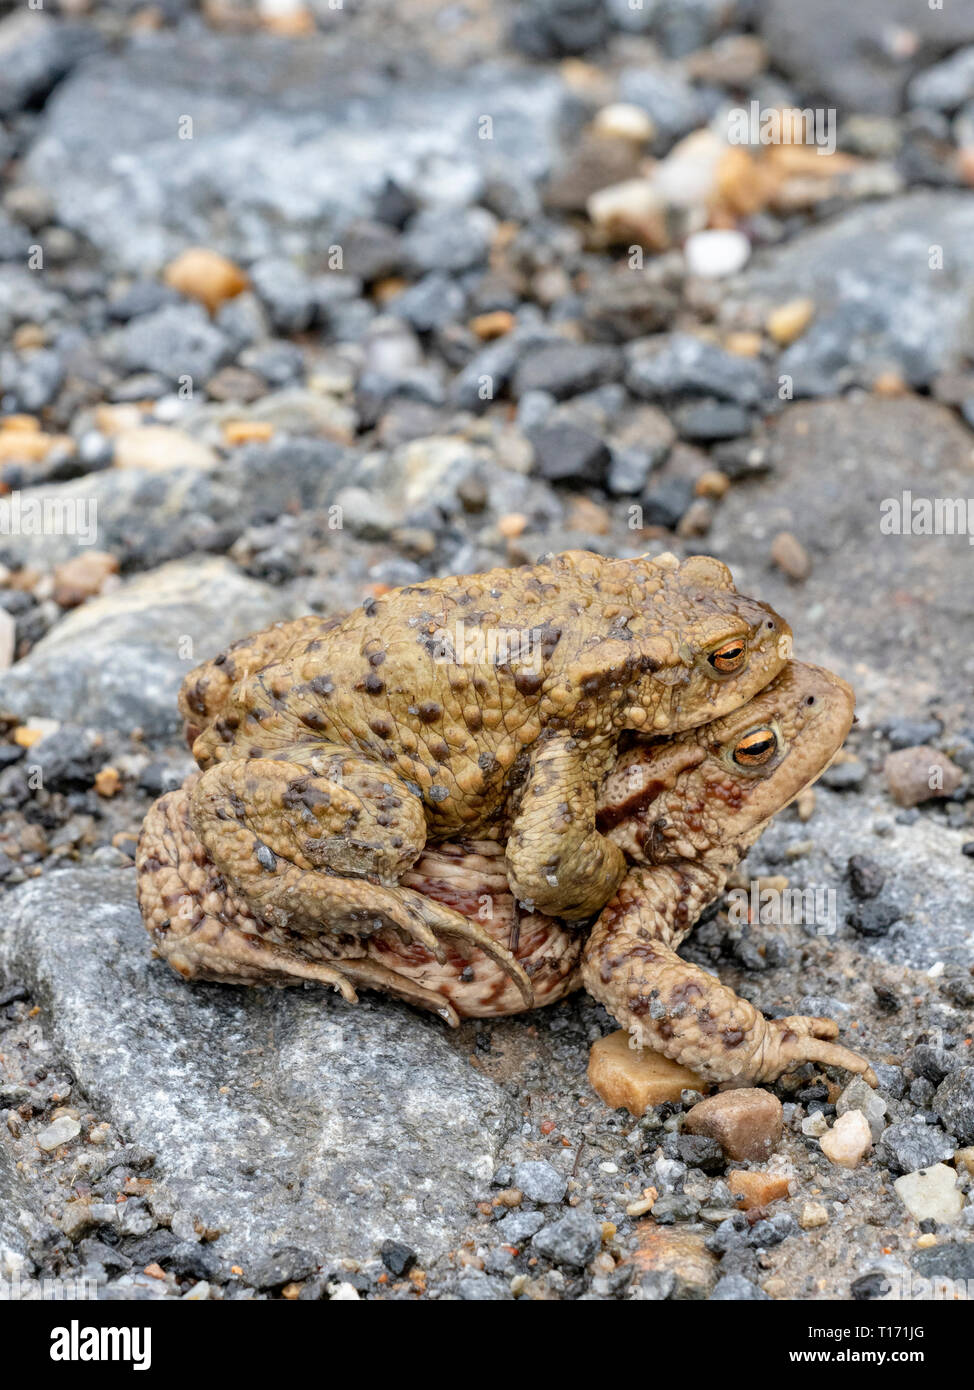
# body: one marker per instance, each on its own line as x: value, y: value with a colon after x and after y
x: 629, y: 964
x: 316, y: 841
x: 556, y: 859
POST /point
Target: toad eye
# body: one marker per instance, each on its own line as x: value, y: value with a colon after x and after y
x: 729, y: 656
x: 756, y: 748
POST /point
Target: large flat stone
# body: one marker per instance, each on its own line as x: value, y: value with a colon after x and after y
x: 289, y: 142
x: 881, y: 300
x: 285, y: 1119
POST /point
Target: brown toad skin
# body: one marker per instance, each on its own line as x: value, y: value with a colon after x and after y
x: 485, y: 706
x: 683, y: 812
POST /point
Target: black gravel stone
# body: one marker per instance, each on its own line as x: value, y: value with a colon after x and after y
x: 566, y: 453
x: 697, y: 1151
x: 866, y: 877
x: 869, y: 1286
x: 666, y: 502
x: 567, y: 369
x: 873, y: 917
x: 397, y: 1257
x: 711, y: 420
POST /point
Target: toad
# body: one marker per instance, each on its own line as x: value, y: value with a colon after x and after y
x: 487, y: 706
x: 683, y: 811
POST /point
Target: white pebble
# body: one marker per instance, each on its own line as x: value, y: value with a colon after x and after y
x: 716, y: 253
x: 623, y: 121
x: 62, y: 1131
x: 343, y: 1293
x: 931, y: 1194
x: 848, y: 1141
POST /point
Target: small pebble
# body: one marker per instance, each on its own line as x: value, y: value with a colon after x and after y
x: 746, y: 1123
x: 813, y: 1214
x: 789, y: 321
x: 715, y: 254
x: 914, y: 775
x: 751, y: 1188
x: 848, y: 1141
x: 61, y: 1131
x: 205, y: 275
x: 636, y: 1079
x: 790, y: 555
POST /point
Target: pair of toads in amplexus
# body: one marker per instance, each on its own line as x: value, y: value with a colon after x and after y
x: 482, y: 792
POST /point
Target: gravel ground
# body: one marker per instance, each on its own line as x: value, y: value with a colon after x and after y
x: 482, y: 281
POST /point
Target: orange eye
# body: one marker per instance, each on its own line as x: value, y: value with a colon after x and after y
x: 729, y: 657
x: 756, y: 748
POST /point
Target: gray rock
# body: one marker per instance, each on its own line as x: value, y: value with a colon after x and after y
x: 432, y: 302
x: 288, y: 294
x: 567, y: 453
x: 555, y: 28
x: 666, y: 502
x: 35, y: 53
x: 68, y: 758
x: 946, y: 85
x: 705, y: 422
x: 117, y: 662
x: 572, y: 1240
x: 877, y: 302
x: 279, y: 362
x: 371, y: 250
x: 629, y: 470
x: 933, y: 1062
x: 954, y: 1103
x: 866, y: 877
x: 908, y: 733
x: 519, y: 1226
x: 474, y: 1286
x: 735, y: 1288
x: 835, y: 50
x: 891, y: 1080
x: 175, y: 341
x: 147, y: 517
x: 674, y: 1206
x: 679, y: 364
x: 448, y: 239
x: 285, y: 1119
x: 673, y: 105
x: 566, y: 369
x: 486, y: 374
x: 539, y: 1181
x: 30, y: 380
x: 907, y: 1147
x: 948, y: 1261
x: 300, y: 140
x: 842, y: 777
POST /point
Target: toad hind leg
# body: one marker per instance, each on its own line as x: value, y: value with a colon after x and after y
x: 316, y: 841
x: 205, y: 931
x: 556, y: 859
x: 682, y: 1011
